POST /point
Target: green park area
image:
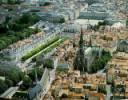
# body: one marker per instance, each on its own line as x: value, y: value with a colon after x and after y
x: 101, y: 62
x: 13, y: 77
x: 12, y: 30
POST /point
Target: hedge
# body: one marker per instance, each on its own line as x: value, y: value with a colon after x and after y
x: 38, y: 49
x: 51, y: 47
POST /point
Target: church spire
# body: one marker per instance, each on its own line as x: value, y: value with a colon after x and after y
x: 81, y: 42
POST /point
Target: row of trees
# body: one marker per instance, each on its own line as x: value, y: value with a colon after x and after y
x: 46, y: 4
x: 5, y: 84
x: 26, y: 20
x: 13, y: 37
x: 38, y: 49
x: 17, y: 30
x: 97, y: 27
x: 12, y: 77
x: 10, y: 2
x: 27, y: 83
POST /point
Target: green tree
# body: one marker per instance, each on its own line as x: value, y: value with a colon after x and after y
x: 100, y: 63
x: 28, y: 18
x: 18, y: 2
x: 64, y: 96
x: 10, y: 2
x: 27, y: 82
x: 48, y: 63
x: 62, y: 20
x: 3, y: 28
x: 13, y: 31
x: 14, y: 75
x: 8, y: 82
x: 36, y: 30
x: 25, y: 18
x: 102, y: 89
x: 2, y: 44
x: 7, y: 19
x: 46, y: 4
x: 3, y: 86
x: 1, y: 2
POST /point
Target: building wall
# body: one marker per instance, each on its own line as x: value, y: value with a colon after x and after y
x: 122, y: 46
x: 14, y: 55
x: 90, y: 56
x: 93, y: 15
x: 93, y: 98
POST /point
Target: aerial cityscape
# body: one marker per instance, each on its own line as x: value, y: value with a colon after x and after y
x: 63, y: 49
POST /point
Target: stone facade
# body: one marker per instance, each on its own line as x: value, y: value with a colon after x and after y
x: 123, y: 46
x: 90, y: 55
x: 72, y: 28
x: 93, y: 15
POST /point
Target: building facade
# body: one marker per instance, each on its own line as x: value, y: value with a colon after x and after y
x: 123, y: 46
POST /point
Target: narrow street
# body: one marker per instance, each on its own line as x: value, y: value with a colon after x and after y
x: 109, y: 93
x: 108, y: 87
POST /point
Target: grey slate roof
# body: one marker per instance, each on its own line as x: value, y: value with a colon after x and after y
x: 34, y: 91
